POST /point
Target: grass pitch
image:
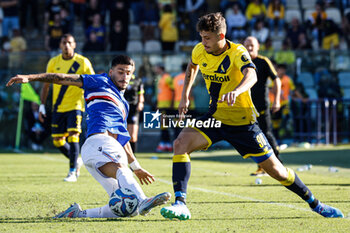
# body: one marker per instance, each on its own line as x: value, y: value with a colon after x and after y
x: 222, y: 196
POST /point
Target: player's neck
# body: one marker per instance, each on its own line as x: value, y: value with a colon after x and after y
x: 67, y: 56
x: 221, y: 49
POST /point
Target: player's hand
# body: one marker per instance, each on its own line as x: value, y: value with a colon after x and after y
x: 230, y: 98
x: 42, y: 113
x: 144, y: 176
x: 276, y: 106
x: 17, y: 79
x: 183, y: 108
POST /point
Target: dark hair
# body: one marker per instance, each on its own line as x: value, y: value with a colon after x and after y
x: 65, y: 36
x: 184, y: 66
x: 282, y: 66
x: 122, y: 60
x: 213, y: 22
x: 167, y: 8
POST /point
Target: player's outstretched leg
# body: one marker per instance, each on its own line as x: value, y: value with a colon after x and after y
x: 149, y: 203
x: 71, y: 212
x: 291, y: 181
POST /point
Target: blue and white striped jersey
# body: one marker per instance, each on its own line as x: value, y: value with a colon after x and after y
x: 106, y: 107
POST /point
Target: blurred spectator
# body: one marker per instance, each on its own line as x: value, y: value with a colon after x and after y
x: 330, y: 32
x: 66, y: 20
x: 92, y: 44
x: 53, y: 7
x: 169, y: 32
x: 77, y: 8
x: 260, y: 31
x: 98, y: 28
x: 5, y: 44
x: 288, y: 91
x: 328, y: 86
x: 236, y: 23
x: 303, y: 42
x: 267, y: 48
x: 316, y: 21
x: 164, y: 104
x: 36, y: 131
x: 255, y: 11
x: 286, y: 54
x: 31, y: 6
x: 1, y: 19
x: 149, y: 19
x: 119, y: 11
x: 92, y: 8
x: 11, y: 19
x: 346, y: 27
x: 54, y: 34
x: 194, y: 9
x: 275, y: 15
x: 293, y: 32
x: 136, y: 7
x: 118, y: 38
x: 18, y: 46
x: 225, y: 4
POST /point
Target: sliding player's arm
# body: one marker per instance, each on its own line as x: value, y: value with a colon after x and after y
x: 62, y: 79
x: 249, y: 79
x: 144, y: 176
x: 191, y: 73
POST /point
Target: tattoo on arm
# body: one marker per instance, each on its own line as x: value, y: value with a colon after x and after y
x: 64, y: 79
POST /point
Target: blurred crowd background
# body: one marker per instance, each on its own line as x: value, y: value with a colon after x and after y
x: 309, y: 39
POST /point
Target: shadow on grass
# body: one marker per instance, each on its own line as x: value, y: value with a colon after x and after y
x: 51, y: 220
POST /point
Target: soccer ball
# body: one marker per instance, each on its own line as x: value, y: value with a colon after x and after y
x: 123, y: 202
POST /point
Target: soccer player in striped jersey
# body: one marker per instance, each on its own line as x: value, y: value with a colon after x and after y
x: 229, y: 74
x: 107, y: 151
x: 67, y: 104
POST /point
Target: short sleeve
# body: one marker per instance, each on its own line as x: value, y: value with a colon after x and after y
x: 195, y: 54
x: 50, y: 66
x: 271, y: 71
x: 242, y: 59
x: 88, y: 67
x: 90, y: 81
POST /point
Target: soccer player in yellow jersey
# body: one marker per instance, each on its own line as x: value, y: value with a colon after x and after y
x: 229, y: 74
x: 67, y: 104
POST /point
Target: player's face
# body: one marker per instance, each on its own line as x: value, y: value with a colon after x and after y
x: 211, y: 42
x: 67, y: 46
x: 121, y: 75
x: 252, y: 45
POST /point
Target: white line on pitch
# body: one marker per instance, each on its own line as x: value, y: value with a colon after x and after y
x: 239, y: 196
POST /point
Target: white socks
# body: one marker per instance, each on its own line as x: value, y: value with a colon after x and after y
x: 99, y: 212
x: 127, y: 180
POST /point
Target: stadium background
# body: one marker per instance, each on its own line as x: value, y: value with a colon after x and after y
x: 324, y: 74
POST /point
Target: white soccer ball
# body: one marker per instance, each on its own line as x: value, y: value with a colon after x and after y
x: 258, y: 181
x: 123, y: 202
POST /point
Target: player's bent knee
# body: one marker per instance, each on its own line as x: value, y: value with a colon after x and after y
x: 110, y: 169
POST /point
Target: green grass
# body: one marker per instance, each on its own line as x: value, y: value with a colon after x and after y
x: 222, y: 196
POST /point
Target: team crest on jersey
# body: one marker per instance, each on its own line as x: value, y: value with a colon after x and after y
x: 224, y: 65
x: 204, y: 64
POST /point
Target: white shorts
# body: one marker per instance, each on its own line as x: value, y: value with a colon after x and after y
x: 98, y: 150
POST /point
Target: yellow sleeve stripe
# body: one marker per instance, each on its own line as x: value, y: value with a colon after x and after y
x: 205, y: 136
x: 183, y: 158
x: 270, y: 64
x: 257, y: 155
x: 290, y: 179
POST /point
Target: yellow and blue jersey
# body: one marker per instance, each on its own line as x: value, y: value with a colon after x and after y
x: 222, y: 73
x: 68, y: 98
